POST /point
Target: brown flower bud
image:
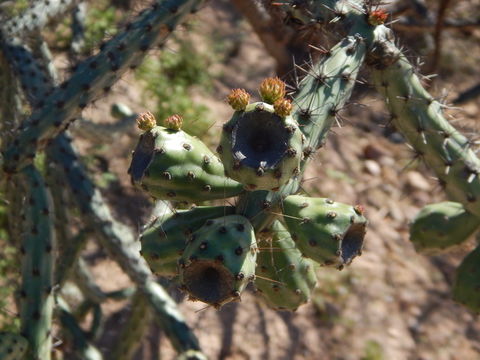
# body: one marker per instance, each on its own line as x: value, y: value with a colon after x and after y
x: 272, y: 89
x: 238, y: 99
x: 377, y: 17
x: 283, y: 107
x: 146, y: 121
x: 174, y: 122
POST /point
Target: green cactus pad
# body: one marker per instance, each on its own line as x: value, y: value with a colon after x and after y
x: 326, y: 231
x: 441, y: 226
x: 466, y: 287
x: 261, y: 149
x: 12, y: 346
x: 164, y: 239
x: 219, y: 260
x: 284, y: 277
x: 173, y: 165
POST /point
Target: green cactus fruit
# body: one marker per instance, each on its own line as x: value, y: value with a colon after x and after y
x: 466, y: 287
x: 12, y: 346
x: 164, y: 238
x: 219, y: 260
x: 441, y: 226
x: 284, y: 277
x: 328, y: 232
x: 260, y: 148
x: 170, y: 164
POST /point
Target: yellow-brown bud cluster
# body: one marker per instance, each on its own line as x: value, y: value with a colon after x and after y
x: 283, y: 107
x: 271, y: 90
x: 146, y: 121
x: 238, y: 99
x: 174, y: 122
x: 377, y: 17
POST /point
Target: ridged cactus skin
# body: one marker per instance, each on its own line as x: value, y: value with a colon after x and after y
x: 260, y: 148
x: 219, y: 260
x: 328, y: 232
x: 165, y: 238
x: 285, y: 278
x: 466, y: 287
x: 12, y: 346
x: 173, y: 165
x: 38, y: 250
x: 438, y: 227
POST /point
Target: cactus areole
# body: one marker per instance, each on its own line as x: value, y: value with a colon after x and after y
x: 260, y: 148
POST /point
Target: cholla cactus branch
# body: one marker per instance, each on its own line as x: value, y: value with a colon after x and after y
x: 93, y: 77
x: 419, y: 117
x: 37, y: 16
x: 38, y: 247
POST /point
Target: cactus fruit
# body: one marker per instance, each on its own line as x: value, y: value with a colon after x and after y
x: 260, y: 148
x: 165, y: 238
x: 284, y: 277
x: 12, y: 346
x: 441, y: 226
x: 171, y: 164
x: 466, y: 287
x: 219, y: 260
x: 326, y: 231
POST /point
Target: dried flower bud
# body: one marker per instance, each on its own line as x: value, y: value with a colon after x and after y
x: 174, y: 122
x: 146, y: 121
x: 238, y: 99
x: 272, y: 89
x: 283, y: 107
x: 377, y: 17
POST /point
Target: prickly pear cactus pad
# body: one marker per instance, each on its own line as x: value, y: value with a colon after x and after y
x: 328, y: 232
x: 170, y: 164
x: 219, y: 260
x: 441, y: 226
x: 261, y: 146
x: 12, y: 346
x: 284, y: 277
x: 164, y: 239
x: 466, y: 288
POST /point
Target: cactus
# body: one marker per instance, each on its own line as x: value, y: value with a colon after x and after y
x: 37, y: 16
x: 418, y: 116
x: 93, y: 77
x: 219, y: 260
x: 38, y: 250
x: 164, y: 239
x: 261, y: 148
x: 329, y: 232
x: 466, y: 287
x: 439, y: 227
x: 12, y: 346
x: 284, y: 277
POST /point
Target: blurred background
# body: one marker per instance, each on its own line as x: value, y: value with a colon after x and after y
x: 391, y: 303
